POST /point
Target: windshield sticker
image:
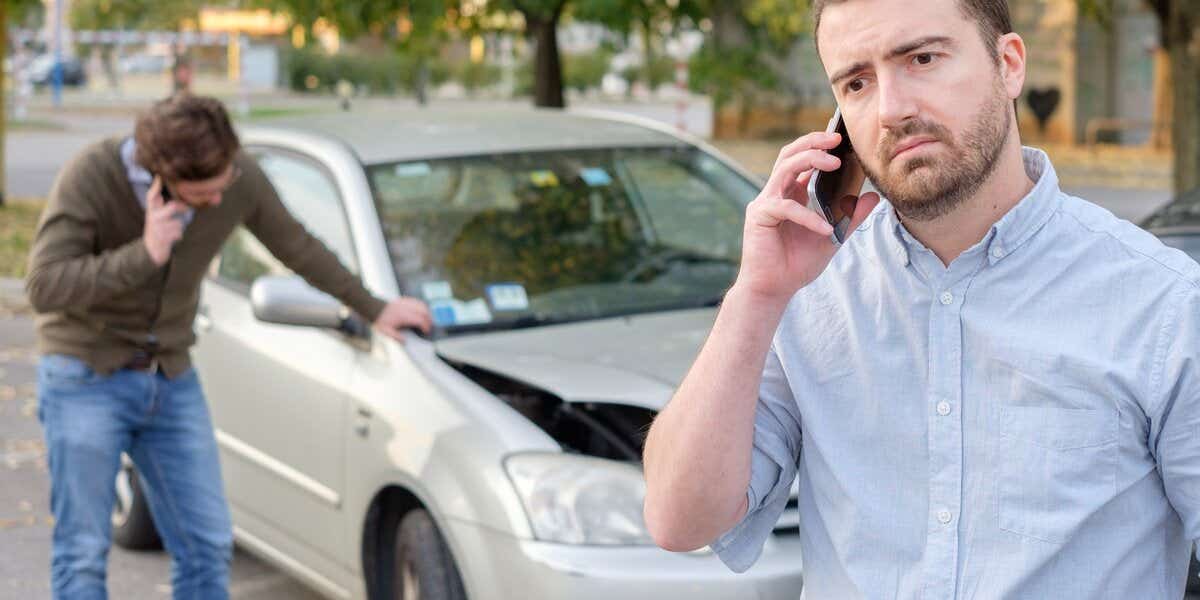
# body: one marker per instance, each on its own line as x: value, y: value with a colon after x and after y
x: 451, y: 312
x: 507, y: 296
x: 443, y: 313
x: 436, y: 290
x: 473, y: 312
x: 544, y: 179
x: 417, y: 169
x: 595, y: 177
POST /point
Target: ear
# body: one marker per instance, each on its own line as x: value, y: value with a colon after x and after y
x: 1011, y: 51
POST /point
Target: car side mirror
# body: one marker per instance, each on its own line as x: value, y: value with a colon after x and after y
x: 289, y: 300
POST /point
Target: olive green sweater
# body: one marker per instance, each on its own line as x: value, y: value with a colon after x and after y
x: 95, y: 288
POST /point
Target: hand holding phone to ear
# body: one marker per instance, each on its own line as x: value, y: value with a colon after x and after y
x: 163, y: 227
x: 786, y: 244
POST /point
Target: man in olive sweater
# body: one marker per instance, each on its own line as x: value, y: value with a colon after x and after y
x: 115, y: 276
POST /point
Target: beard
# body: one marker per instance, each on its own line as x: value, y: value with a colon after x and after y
x: 924, y: 188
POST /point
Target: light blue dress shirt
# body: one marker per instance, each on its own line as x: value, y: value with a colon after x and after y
x: 1024, y: 423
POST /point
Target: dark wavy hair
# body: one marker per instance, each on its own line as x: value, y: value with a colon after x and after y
x: 185, y: 137
x: 991, y: 16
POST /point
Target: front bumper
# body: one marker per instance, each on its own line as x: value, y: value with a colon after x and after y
x: 498, y: 566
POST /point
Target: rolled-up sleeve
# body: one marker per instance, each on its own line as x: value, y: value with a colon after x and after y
x: 773, y: 467
x: 1176, y: 425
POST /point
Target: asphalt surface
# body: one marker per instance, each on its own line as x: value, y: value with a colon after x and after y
x: 25, y: 520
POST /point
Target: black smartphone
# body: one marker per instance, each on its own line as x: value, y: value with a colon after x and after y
x: 835, y: 194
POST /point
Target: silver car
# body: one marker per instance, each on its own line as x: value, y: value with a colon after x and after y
x: 572, y: 262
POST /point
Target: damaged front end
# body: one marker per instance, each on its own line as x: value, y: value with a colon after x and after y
x: 600, y: 429
x: 593, y: 492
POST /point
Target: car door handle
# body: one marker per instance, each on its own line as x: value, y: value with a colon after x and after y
x: 362, y: 421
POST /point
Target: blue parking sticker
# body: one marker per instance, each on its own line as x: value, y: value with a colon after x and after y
x: 443, y: 313
x: 595, y: 177
x: 507, y: 296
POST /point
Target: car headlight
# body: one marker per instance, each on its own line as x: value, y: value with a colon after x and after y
x: 574, y: 499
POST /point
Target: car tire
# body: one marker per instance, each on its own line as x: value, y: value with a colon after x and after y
x: 424, y: 568
x: 132, y: 526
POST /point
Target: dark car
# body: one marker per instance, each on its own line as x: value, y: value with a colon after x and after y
x: 41, y: 71
x: 1178, y: 225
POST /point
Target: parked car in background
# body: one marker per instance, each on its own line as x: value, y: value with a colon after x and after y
x: 145, y: 63
x: 1177, y: 224
x: 41, y: 71
x: 572, y: 262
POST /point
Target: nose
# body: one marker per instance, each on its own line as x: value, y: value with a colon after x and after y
x: 897, y: 104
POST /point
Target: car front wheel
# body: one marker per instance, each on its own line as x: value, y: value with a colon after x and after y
x: 132, y: 525
x: 424, y: 568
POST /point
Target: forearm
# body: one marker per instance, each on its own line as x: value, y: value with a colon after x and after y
x: 698, y: 452
x: 57, y: 283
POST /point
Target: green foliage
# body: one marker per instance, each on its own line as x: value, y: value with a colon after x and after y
x: 581, y: 71
x: 132, y: 14
x: 380, y: 74
x: 477, y: 76
x: 661, y: 71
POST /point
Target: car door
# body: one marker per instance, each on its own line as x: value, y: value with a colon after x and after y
x: 278, y: 392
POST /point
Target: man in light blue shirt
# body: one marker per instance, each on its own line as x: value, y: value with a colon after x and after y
x: 991, y: 390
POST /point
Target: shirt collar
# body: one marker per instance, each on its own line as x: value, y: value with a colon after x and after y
x: 1014, y: 228
x: 135, y: 172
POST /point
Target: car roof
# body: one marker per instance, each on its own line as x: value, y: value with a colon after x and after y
x: 383, y: 136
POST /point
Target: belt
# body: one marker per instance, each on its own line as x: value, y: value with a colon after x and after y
x: 143, y: 362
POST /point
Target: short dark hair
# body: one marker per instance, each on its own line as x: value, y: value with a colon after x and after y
x: 991, y: 16
x: 185, y: 137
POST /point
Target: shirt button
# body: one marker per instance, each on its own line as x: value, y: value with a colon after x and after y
x: 943, y: 408
x: 944, y: 516
x: 998, y: 252
x: 947, y: 298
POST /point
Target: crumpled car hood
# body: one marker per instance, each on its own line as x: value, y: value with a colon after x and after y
x: 638, y: 360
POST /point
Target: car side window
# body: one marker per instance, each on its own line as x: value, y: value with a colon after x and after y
x: 311, y: 196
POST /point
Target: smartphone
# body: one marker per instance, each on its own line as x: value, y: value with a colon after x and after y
x: 835, y: 194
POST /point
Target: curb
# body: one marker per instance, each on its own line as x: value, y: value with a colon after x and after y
x: 12, y: 294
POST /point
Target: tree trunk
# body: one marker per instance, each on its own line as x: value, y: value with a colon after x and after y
x: 421, y: 85
x: 1184, y: 35
x: 648, y: 55
x: 1160, y: 136
x: 547, y: 72
x: 3, y: 98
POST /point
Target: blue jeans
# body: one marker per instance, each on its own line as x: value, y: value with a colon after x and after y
x: 164, y: 426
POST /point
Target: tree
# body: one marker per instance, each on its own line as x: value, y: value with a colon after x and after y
x: 1179, y: 79
x: 745, y: 57
x: 645, y: 18
x: 18, y: 11
x: 414, y: 27
x: 129, y: 15
x: 541, y: 27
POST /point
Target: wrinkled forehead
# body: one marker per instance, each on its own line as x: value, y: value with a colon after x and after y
x: 861, y: 31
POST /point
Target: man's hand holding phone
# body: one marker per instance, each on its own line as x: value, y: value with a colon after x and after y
x: 163, y: 226
x: 785, y: 244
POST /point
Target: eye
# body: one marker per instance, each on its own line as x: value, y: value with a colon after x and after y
x: 855, y: 85
x: 924, y: 58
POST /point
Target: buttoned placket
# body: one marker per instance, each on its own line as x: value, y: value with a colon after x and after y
x: 948, y: 293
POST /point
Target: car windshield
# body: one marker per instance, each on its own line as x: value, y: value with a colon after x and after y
x: 526, y: 239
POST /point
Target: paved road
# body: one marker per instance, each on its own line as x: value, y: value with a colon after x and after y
x: 25, y: 521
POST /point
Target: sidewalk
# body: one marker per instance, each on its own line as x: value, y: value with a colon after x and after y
x: 12, y: 297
